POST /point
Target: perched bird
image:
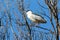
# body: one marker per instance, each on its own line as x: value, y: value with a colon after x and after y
x: 35, y: 18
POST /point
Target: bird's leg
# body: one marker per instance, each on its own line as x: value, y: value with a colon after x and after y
x: 33, y: 24
x: 36, y: 24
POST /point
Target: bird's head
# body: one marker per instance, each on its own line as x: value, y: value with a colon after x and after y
x: 29, y: 12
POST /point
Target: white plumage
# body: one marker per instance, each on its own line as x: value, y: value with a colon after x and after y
x: 35, y: 18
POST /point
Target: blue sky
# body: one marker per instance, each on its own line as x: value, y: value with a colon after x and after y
x: 29, y: 5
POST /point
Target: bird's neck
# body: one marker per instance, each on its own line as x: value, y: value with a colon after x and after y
x: 29, y: 15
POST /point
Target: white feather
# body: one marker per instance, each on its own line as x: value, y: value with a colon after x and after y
x: 34, y: 17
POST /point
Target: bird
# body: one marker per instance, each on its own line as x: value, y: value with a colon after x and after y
x: 35, y: 18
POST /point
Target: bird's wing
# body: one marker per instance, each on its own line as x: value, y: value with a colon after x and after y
x: 39, y: 18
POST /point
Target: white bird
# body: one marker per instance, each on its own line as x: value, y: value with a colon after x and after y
x: 35, y: 18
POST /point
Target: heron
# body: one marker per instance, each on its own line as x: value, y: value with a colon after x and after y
x: 35, y: 18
